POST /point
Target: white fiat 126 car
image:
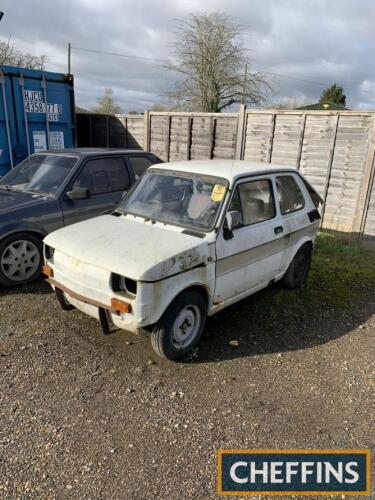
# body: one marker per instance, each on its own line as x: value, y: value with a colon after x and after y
x: 188, y: 240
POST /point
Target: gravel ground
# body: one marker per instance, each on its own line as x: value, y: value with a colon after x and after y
x: 89, y: 416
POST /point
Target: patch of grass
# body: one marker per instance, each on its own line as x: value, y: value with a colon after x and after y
x: 340, y: 272
x: 341, y: 269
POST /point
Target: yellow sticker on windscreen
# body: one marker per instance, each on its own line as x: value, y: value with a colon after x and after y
x: 218, y: 192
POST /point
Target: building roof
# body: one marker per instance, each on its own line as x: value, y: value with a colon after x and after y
x: 227, y: 169
x: 82, y: 111
x: 318, y: 106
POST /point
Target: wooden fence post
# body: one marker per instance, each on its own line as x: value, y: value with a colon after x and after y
x: 301, y: 138
x: 269, y: 159
x: 168, y: 138
x: 364, y: 190
x: 368, y: 198
x: 188, y: 140
x: 213, y: 136
x: 329, y: 170
x: 241, y: 133
x: 146, y: 131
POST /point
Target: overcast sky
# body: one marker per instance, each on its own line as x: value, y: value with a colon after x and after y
x: 318, y: 41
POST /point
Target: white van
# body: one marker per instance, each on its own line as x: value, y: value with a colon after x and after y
x: 188, y: 240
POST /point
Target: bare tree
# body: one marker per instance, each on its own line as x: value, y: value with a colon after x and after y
x: 10, y: 55
x: 160, y: 107
x: 34, y: 62
x: 106, y: 103
x: 211, y: 62
x: 8, y: 52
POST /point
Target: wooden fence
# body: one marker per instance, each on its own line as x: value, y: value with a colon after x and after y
x: 334, y: 149
x: 114, y: 131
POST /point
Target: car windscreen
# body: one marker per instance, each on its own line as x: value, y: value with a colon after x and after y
x: 42, y: 174
x: 181, y: 199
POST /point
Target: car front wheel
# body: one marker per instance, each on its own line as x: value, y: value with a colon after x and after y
x: 180, y: 328
x: 20, y: 259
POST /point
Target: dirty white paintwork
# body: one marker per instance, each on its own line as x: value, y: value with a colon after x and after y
x: 164, y: 261
x: 227, y: 169
x: 130, y: 247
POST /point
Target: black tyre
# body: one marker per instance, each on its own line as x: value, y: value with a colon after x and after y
x: 20, y: 259
x: 180, y: 328
x: 297, y: 273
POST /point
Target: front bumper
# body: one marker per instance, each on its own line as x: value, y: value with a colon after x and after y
x: 110, y: 317
x: 81, y: 298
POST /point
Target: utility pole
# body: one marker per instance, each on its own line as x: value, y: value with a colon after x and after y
x: 69, y: 57
x: 243, y: 100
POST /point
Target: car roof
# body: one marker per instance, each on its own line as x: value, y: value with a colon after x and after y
x: 91, y: 151
x: 227, y: 169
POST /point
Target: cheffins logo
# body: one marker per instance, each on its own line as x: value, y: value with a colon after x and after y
x: 294, y: 472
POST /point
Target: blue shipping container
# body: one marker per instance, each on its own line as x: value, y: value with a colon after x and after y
x: 36, y: 113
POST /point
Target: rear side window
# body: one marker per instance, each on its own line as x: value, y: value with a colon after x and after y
x: 290, y: 196
x: 140, y: 164
x: 104, y: 175
x: 254, y: 200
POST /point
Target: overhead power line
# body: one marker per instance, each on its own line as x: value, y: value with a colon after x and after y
x: 166, y: 61
x: 126, y: 56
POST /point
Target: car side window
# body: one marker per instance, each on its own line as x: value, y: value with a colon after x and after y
x: 104, y: 175
x: 289, y: 194
x: 140, y: 164
x: 254, y: 200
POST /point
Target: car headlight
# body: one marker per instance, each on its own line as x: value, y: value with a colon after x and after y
x: 123, y: 284
x: 48, y: 252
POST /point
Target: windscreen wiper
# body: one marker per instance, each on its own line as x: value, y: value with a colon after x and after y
x: 40, y: 193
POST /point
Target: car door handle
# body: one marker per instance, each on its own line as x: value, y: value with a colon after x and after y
x: 278, y: 229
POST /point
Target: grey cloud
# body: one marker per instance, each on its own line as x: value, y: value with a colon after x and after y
x: 320, y: 41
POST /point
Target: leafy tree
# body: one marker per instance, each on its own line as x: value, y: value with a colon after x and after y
x: 335, y: 94
x: 211, y: 61
x: 13, y: 57
x: 106, y: 104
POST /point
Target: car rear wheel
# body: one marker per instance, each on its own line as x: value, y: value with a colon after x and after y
x: 297, y: 273
x: 20, y: 259
x: 180, y: 328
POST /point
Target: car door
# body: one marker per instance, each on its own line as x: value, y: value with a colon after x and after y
x: 106, y: 179
x: 291, y: 193
x: 253, y: 255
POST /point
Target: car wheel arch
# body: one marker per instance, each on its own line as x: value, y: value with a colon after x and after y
x: 36, y: 234
x: 305, y: 243
x: 197, y: 287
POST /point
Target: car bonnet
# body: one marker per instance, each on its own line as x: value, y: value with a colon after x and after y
x: 15, y: 200
x: 131, y: 248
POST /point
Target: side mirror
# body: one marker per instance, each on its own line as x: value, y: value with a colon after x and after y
x: 78, y: 193
x: 232, y: 220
